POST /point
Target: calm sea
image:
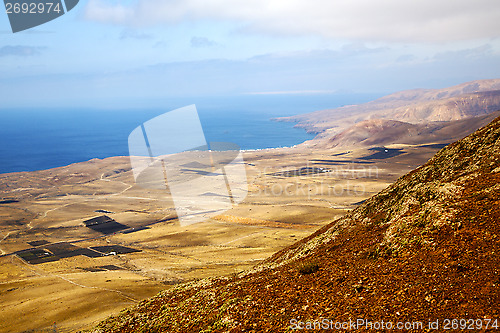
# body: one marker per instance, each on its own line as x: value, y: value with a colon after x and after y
x: 36, y: 139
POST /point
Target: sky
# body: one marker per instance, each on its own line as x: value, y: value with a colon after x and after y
x: 107, y: 53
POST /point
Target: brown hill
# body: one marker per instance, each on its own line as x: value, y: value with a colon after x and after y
x: 425, y: 249
x: 447, y: 109
x: 421, y: 95
x: 380, y: 132
x: 414, y: 106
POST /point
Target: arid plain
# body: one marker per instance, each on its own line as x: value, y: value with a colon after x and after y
x: 81, y: 242
x: 292, y: 192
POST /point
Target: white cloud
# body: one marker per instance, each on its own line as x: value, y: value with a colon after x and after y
x: 20, y: 50
x: 111, y: 13
x: 293, y: 92
x: 306, y: 73
x: 479, y: 52
x: 133, y: 34
x: 384, y: 20
x: 202, y: 42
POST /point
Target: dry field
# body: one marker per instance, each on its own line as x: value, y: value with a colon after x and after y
x: 292, y: 192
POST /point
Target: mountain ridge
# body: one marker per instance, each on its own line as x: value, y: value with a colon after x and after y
x: 469, y: 99
x: 382, y: 132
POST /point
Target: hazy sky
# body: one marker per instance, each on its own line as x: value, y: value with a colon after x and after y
x: 129, y: 53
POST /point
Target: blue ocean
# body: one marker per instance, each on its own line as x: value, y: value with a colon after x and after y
x: 41, y: 138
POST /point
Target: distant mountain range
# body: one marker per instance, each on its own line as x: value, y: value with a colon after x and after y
x: 425, y: 249
x: 412, y: 116
x: 382, y: 132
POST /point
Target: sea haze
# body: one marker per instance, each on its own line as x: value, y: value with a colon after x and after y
x: 36, y: 139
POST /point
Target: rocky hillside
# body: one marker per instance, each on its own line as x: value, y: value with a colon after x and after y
x: 426, y: 248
